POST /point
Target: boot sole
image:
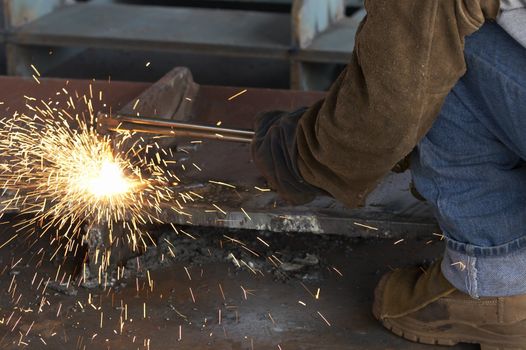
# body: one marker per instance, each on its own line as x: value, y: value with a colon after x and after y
x: 445, y: 340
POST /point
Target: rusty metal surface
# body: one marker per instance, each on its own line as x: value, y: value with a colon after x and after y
x: 391, y: 209
x: 222, y: 317
x: 13, y: 90
x: 169, y: 98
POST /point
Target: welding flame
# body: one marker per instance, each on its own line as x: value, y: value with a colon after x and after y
x: 107, y: 179
x: 102, y: 179
x: 83, y: 173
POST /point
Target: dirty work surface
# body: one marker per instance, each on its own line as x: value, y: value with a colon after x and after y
x: 391, y: 208
x: 214, y: 294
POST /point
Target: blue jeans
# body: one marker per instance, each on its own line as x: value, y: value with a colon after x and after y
x: 471, y: 167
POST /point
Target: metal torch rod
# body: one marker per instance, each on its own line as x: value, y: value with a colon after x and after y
x: 173, y: 128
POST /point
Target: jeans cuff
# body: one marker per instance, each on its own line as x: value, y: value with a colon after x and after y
x: 478, y: 251
x: 486, y: 275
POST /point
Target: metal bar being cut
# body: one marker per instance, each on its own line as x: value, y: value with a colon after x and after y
x: 173, y: 128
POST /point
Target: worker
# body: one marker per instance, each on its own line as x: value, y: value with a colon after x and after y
x: 443, y: 81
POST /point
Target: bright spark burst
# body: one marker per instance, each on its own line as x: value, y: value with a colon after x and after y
x: 104, y: 179
x: 66, y: 176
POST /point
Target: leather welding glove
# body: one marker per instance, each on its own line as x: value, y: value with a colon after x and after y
x: 275, y: 154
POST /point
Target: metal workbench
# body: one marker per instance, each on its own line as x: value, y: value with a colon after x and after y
x: 391, y: 209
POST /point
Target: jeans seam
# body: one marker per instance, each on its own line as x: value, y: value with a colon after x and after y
x: 472, y: 283
x: 435, y: 184
x: 487, y: 64
x: 485, y: 276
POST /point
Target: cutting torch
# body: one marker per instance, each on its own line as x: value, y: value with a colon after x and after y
x: 120, y: 123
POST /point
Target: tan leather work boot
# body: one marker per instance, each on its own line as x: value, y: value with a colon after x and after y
x: 424, y: 307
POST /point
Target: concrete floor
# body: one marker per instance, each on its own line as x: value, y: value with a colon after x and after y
x: 260, y: 307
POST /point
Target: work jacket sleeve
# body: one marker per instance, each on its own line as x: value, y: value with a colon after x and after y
x: 407, y: 58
